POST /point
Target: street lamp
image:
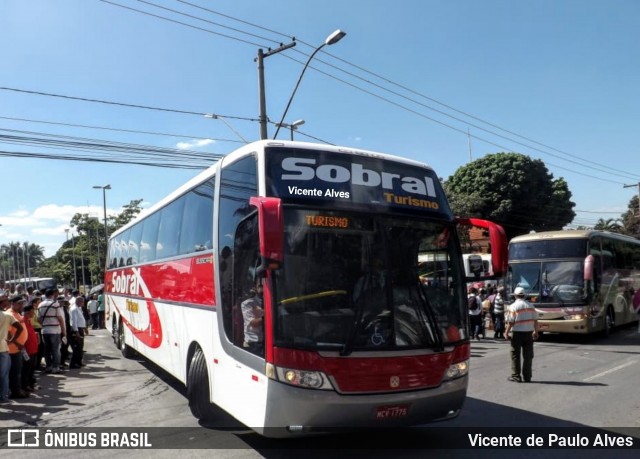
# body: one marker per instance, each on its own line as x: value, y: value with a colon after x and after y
x: 73, y: 254
x: 293, y: 126
x: 104, y: 207
x: 332, y: 39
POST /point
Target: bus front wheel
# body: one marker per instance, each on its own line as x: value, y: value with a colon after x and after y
x: 198, y: 388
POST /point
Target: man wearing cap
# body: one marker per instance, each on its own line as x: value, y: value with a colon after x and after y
x: 15, y: 346
x: 51, y: 316
x: 523, y: 321
x: 6, y: 320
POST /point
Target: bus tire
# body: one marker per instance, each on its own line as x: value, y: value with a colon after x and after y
x: 609, y: 322
x: 126, y: 350
x: 198, y: 388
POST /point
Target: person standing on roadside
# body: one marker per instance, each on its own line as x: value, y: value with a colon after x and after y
x: 77, y: 328
x: 16, y: 346
x: 522, y: 319
x: 101, y: 311
x: 6, y: 321
x: 51, y: 316
x: 93, y: 312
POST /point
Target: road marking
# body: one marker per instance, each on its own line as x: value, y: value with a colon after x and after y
x: 610, y: 370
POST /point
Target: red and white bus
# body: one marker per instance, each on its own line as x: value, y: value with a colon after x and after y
x: 350, y: 336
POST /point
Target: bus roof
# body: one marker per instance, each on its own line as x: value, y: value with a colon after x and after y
x: 571, y: 234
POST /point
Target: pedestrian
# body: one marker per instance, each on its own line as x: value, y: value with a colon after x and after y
x: 51, y: 316
x: 475, y: 313
x: 76, y: 336
x: 30, y: 364
x: 93, y: 312
x: 6, y: 321
x: 522, y: 319
x: 101, y: 311
x: 498, y: 314
x: 65, y: 354
x: 16, y: 346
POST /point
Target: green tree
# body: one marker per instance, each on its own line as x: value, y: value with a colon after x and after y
x: 611, y: 224
x: 20, y: 259
x: 631, y: 219
x: 513, y: 190
x: 87, y: 246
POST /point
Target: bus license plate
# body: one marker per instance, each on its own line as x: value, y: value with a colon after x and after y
x: 543, y: 326
x: 391, y: 412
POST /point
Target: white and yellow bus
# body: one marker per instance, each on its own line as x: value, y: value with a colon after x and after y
x: 579, y: 281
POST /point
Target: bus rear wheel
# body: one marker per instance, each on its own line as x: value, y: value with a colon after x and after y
x: 126, y: 350
x: 198, y: 388
x: 609, y: 322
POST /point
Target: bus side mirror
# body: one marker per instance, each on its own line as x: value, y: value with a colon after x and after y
x: 271, y: 231
x: 588, y: 268
x: 497, y: 239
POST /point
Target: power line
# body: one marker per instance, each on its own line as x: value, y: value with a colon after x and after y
x: 87, y: 126
x: 618, y: 172
x: 122, y: 104
x: 182, y: 23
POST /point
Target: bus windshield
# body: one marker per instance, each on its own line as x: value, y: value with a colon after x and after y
x: 351, y: 282
x: 557, y: 282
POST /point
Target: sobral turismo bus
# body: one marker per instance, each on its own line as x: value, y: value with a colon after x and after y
x: 579, y: 281
x: 282, y: 286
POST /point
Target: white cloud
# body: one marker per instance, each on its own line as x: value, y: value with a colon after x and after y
x: 194, y: 144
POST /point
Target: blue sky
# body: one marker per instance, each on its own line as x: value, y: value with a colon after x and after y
x: 558, y: 80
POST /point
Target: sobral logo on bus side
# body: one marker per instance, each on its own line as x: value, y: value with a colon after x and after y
x: 357, y: 179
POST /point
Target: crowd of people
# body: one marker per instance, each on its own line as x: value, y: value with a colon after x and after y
x: 37, y: 327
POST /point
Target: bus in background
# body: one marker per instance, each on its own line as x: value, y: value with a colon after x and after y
x: 579, y: 281
x: 282, y: 286
x: 38, y: 283
x: 478, y: 265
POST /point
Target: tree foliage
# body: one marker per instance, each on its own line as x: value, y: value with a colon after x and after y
x: 513, y: 190
x: 80, y: 259
x: 631, y: 219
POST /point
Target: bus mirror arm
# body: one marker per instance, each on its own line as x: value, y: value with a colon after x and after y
x: 266, y: 264
x: 497, y: 239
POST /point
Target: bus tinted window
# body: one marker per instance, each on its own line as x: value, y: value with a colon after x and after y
x: 169, y: 229
x: 149, y: 238
x: 123, y: 252
x: 134, y: 244
x: 197, y: 220
x: 559, y: 248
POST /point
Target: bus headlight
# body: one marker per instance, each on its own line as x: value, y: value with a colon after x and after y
x: 304, y: 378
x: 458, y: 370
x: 575, y: 317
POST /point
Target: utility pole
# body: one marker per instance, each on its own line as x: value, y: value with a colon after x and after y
x: 631, y: 186
x: 263, y: 98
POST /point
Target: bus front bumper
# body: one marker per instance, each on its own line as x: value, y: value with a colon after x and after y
x: 296, y: 411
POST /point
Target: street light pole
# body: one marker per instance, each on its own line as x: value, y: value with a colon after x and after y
x: 73, y: 254
x: 262, y: 97
x: 332, y: 39
x: 104, y: 208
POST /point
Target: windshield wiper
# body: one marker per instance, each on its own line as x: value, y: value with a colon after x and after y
x: 427, y: 310
x: 357, y: 323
